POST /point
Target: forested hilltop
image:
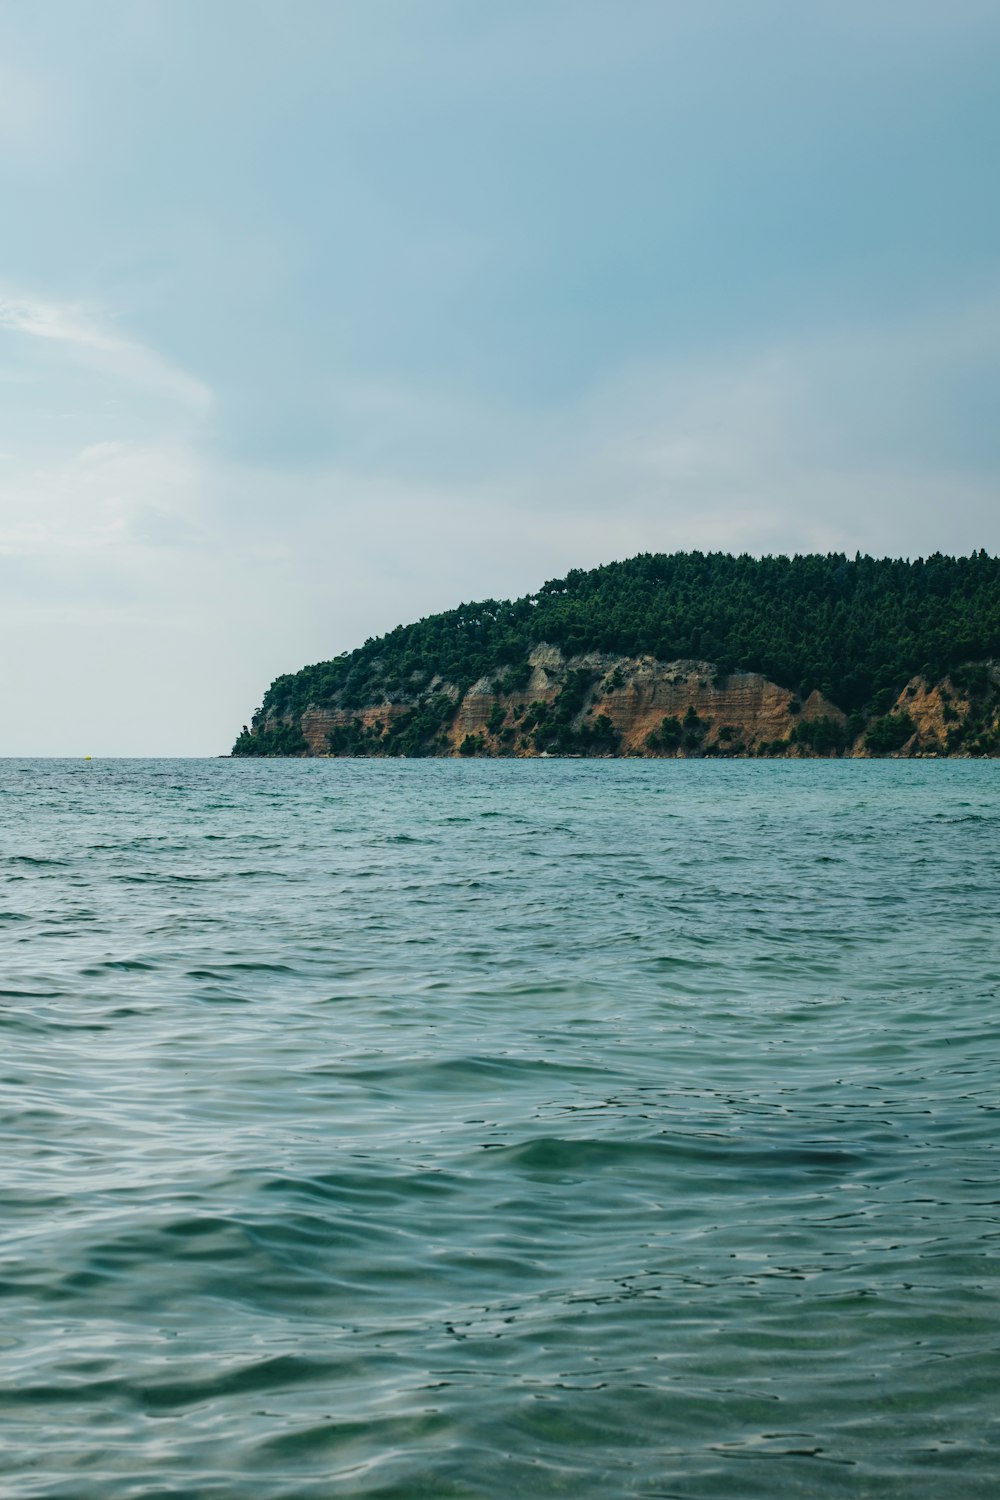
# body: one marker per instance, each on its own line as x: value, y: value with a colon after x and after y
x: 841, y: 638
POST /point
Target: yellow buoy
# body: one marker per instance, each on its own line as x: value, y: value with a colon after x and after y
x: 86, y: 757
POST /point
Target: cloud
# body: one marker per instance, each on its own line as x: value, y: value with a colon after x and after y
x: 113, y: 503
x: 843, y: 438
x: 28, y: 110
x: 89, y: 339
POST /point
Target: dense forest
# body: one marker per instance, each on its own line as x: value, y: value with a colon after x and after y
x: 855, y: 628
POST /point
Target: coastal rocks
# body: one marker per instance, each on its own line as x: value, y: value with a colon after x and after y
x: 604, y: 704
x: 729, y: 714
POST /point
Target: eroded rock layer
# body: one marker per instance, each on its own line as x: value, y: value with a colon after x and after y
x: 597, y: 704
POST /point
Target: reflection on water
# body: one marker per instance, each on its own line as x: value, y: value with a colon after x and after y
x: 475, y: 1129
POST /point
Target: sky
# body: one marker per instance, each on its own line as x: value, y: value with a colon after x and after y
x: 319, y: 316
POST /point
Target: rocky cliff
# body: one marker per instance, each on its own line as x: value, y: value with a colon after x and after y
x: 599, y: 704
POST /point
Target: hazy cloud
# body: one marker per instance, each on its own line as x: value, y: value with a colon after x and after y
x: 125, y: 359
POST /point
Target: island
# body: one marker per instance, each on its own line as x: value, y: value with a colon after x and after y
x: 681, y: 655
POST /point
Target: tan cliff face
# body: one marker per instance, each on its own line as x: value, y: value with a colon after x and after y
x: 947, y: 718
x: 316, y: 723
x: 638, y: 693
x: 635, y: 693
x: 741, y: 713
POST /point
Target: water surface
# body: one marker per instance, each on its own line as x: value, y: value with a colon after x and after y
x: 472, y: 1129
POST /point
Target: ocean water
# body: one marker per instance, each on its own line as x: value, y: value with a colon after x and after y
x: 490, y: 1129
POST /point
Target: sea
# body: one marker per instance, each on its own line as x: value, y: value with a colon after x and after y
x: 472, y: 1129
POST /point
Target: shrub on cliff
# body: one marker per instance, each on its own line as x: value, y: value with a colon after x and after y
x: 668, y: 737
x: 889, y: 733
x: 824, y: 736
x: 514, y: 679
x: 282, y: 739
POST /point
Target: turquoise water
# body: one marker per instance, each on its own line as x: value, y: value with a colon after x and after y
x: 481, y: 1129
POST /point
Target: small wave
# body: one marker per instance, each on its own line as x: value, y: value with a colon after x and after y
x: 575, y: 1155
x: 238, y: 967
x: 119, y: 966
x: 39, y: 862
